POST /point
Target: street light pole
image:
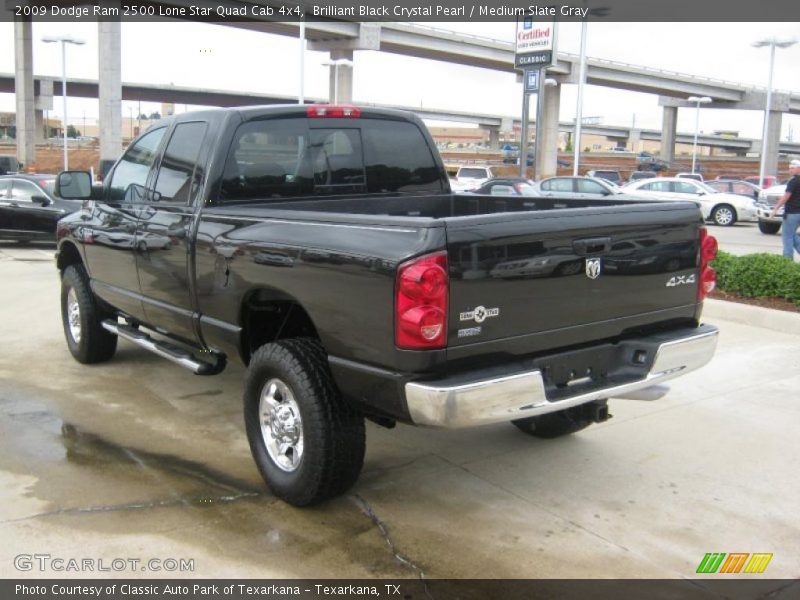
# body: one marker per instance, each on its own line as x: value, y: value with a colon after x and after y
x: 698, y: 100
x: 772, y: 43
x: 64, y: 39
x: 579, y: 113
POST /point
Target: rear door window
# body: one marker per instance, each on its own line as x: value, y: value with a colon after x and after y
x: 559, y: 184
x: 586, y: 186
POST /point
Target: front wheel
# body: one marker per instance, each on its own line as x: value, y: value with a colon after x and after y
x: 82, y: 318
x: 723, y: 215
x: 307, y: 442
x: 769, y: 228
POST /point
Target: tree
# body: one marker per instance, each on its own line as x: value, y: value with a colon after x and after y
x: 72, y: 132
x: 568, y: 147
x: 155, y: 116
x: 142, y: 117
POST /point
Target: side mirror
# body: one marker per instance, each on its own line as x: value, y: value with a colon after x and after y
x: 40, y: 200
x: 74, y: 185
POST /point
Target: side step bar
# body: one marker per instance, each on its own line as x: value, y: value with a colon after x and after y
x: 165, y: 350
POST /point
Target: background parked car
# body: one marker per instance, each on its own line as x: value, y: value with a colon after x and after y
x: 723, y: 209
x: 612, y: 176
x: 767, y: 181
x: 695, y: 176
x: 729, y: 186
x: 577, y: 187
x: 767, y: 199
x: 507, y: 186
x: 637, y: 175
x: 472, y: 177
x: 8, y: 164
x: 28, y: 208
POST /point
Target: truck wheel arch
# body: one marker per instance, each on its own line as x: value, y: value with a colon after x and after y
x: 68, y: 254
x: 268, y: 315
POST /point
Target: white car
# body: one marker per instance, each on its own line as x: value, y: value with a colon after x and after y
x: 471, y: 177
x: 723, y: 209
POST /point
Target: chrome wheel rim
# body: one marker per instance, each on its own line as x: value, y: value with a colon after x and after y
x: 281, y: 425
x: 723, y: 216
x: 74, y: 315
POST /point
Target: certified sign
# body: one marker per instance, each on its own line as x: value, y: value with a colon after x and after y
x: 536, y: 43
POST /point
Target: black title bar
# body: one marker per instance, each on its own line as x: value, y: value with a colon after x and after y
x: 402, y: 11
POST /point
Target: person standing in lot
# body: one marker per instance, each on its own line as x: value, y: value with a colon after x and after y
x: 791, y: 218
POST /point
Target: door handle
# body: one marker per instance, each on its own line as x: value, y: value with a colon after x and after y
x: 585, y: 247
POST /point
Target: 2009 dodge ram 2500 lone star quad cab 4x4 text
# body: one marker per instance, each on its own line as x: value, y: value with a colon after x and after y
x: 321, y: 245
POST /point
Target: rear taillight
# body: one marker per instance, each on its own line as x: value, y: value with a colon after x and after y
x: 333, y: 111
x: 708, y: 276
x: 421, y: 303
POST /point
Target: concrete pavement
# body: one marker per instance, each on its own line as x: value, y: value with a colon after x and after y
x: 137, y: 458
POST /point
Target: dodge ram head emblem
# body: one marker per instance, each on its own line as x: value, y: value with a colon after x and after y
x: 593, y: 267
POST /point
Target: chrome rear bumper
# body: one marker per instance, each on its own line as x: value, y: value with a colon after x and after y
x: 524, y: 394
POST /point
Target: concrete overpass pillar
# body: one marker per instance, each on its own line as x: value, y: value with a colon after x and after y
x: 23, y: 88
x: 773, y: 142
x: 669, y: 129
x: 494, y: 136
x: 547, y: 164
x: 110, y: 92
x: 635, y: 140
x: 341, y: 78
x: 43, y: 102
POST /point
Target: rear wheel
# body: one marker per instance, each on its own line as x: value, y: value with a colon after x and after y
x: 723, y: 215
x: 564, y: 422
x: 769, y: 228
x: 308, y: 443
x: 82, y: 318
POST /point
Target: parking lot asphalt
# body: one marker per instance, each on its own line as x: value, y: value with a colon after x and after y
x: 137, y: 458
x: 745, y: 238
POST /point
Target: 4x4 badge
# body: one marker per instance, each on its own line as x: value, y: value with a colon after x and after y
x: 593, y: 268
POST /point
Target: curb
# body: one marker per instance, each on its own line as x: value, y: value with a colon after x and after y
x: 768, y: 318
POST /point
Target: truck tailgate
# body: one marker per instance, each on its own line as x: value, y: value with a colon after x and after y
x: 523, y: 273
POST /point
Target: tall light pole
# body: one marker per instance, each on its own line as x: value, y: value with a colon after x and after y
x: 301, y: 95
x: 64, y: 39
x: 698, y: 100
x: 339, y: 62
x: 772, y: 43
x: 579, y: 112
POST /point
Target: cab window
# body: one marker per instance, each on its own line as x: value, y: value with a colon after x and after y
x: 130, y: 174
x: 178, y: 175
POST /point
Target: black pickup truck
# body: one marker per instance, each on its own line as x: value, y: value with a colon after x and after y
x: 321, y: 246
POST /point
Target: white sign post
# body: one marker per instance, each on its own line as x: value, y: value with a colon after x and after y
x: 535, y: 51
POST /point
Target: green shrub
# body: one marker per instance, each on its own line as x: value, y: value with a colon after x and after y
x: 758, y: 276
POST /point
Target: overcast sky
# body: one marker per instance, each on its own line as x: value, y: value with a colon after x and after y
x: 220, y: 57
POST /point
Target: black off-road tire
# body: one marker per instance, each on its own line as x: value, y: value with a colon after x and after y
x: 768, y: 227
x: 333, y: 432
x: 557, y: 424
x: 95, y: 344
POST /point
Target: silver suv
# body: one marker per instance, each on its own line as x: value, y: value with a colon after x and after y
x: 767, y: 199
